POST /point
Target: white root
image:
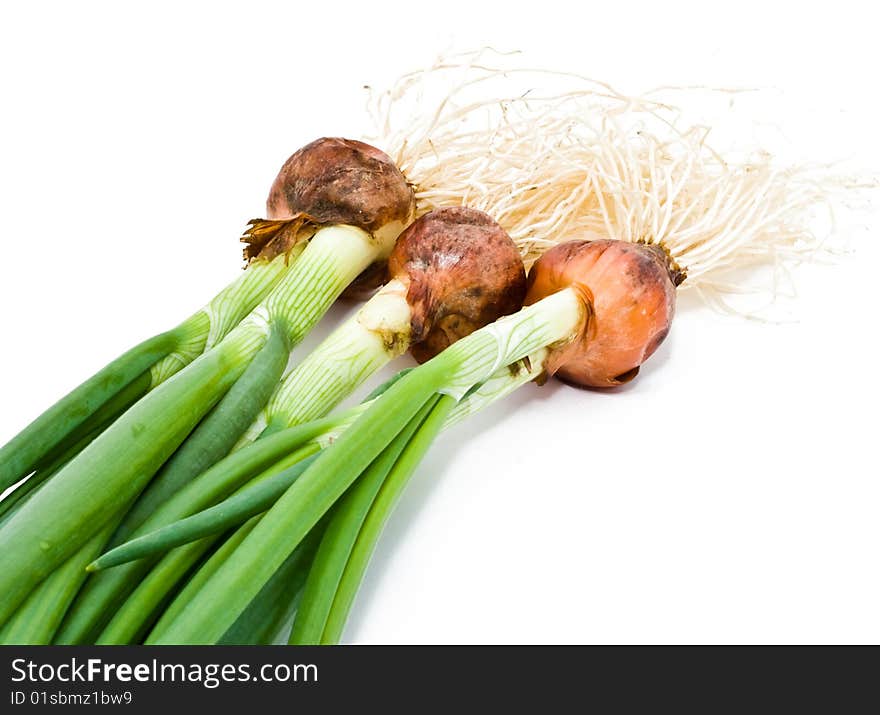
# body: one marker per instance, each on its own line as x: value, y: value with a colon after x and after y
x: 580, y: 160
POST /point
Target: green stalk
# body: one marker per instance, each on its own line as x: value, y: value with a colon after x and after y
x: 375, y: 335
x: 71, y: 446
x: 22, y: 453
x: 160, y: 356
x: 215, y: 435
x: 208, y: 568
x: 278, y: 424
x: 213, y: 321
x: 501, y: 383
x: 137, y: 613
x: 209, y: 326
x: 37, y: 619
x: 253, y: 498
x: 468, y: 362
x: 379, y: 504
x: 114, y: 468
x: 230, y: 473
x: 335, y: 547
x: 12, y: 502
x: 275, y: 604
x: 96, y: 423
x: 105, y: 591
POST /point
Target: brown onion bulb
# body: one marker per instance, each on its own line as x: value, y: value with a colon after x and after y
x: 631, y: 292
x: 462, y: 271
x: 341, y: 181
x: 331, y: 181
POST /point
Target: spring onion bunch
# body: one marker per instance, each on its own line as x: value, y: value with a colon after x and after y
x: 569, y: 164
x: 521, y: 153
x: 662, y: 210
x: 330, y: 184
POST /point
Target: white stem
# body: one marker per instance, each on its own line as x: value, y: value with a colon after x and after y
x: 335, y: 256
x: 499, y: 385
x: 376, y: 334
x: 474, y: 359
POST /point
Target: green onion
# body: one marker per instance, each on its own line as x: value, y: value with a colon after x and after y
x: 334, y: 257
x: 72, y: 506
x: 71, y: 446
x: 440, y: 290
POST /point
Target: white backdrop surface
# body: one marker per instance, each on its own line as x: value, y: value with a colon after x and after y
x: 729, y: 494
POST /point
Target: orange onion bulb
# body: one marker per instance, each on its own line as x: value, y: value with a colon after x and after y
x: 630, y: 294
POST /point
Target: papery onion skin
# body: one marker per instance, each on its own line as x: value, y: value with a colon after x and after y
x: 630, y: 289
x: 462, y: 271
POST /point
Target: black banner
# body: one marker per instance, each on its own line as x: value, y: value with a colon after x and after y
x: 549, y: 679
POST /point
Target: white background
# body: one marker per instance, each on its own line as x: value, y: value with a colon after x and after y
x: 730, y: 494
